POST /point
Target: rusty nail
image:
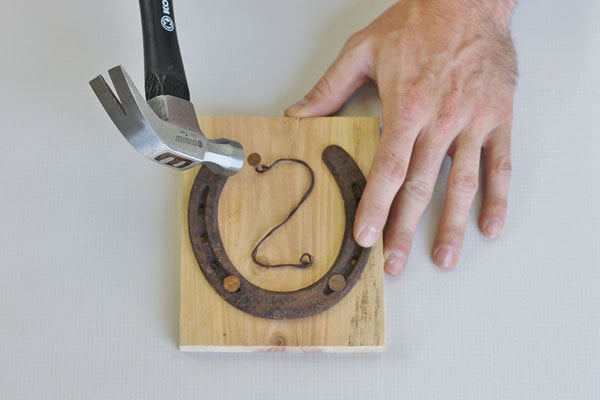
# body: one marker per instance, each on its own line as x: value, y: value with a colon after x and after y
x: 231, y: 283
x: 337, y: 282
x: 254, y: 159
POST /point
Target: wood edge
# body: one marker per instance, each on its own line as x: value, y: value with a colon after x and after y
x: 363, y: 117
x: 283, y: 349
x: 183, y: 242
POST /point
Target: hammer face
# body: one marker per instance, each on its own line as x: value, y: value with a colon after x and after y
x: 165, y: 129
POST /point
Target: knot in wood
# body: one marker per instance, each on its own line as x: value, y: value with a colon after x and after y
x: 279, y: 340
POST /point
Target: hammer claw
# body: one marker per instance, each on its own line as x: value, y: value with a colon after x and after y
x: 107, y: 98
x: 131, y: 99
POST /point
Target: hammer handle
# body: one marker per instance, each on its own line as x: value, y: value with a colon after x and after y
x: 163, y: 64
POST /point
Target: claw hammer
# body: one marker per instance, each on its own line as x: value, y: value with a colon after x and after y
x: 164, y: 126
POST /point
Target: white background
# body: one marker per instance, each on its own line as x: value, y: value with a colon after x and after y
x: 89, y: 229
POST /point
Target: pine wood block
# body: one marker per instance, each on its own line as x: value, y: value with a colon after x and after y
x: 250, y: 205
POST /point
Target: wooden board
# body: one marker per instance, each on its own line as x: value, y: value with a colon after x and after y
x: 253, y: 203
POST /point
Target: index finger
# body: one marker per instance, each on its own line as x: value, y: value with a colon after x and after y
x: 402, y: 122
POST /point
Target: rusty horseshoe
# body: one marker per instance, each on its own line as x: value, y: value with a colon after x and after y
x: 226, y: 280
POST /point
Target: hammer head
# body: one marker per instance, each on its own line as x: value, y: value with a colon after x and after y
x: 164, y: 129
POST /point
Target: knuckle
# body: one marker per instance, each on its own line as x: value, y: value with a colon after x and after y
x: 496, y: 204
x: 454, y: 231
x: 447, y: 118
x: 359, y: 49
x: 379, y: 208
x: 500, y: 115
x: 411, y: 107
x: 391, y: 167
x: 396, y: 128
x: 432, y: 147
x: 398, y: 241
x: 376, y: 208
x: 501, y: 166
x: 418, y: 190
x: 465, y: 182
x: 480, y: 111
x: 355, y: 40
x: 397, y: 237
x: 322, y: 89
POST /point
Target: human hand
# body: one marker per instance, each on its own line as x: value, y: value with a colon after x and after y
x: 446, y: 74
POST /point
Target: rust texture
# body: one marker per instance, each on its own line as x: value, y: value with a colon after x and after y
x: 231, y: 284
x: 337, y: 283
x: 215, y: 264
x: 254, y: 159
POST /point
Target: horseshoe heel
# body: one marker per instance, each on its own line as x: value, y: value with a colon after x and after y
x: 239, y: 292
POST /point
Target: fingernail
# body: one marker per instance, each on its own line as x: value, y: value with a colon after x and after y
x: 296, y: 107
x: 395, y: 263
x: 493, y: 228
x: 368, y: 236
x: 444, y: 256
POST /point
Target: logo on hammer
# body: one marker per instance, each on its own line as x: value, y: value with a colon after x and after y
x: 166, y: 21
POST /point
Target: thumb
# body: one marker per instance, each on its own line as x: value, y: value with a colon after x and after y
x: 346, y: 74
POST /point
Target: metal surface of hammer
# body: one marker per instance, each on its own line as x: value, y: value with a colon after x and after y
x: 165, y: 127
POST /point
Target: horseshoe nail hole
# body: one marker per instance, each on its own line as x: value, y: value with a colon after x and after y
x: 357, y: 190
x: 353, y: 261
x: 231, y: 283
x: 203, y: 237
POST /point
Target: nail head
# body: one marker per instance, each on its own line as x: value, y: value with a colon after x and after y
x: 254, y: 159
x: 337, y: 283
x: 231, y: 284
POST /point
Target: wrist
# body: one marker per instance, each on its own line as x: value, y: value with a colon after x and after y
x: 491, y: 12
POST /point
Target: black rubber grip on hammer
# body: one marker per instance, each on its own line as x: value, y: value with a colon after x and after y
x: 163, y: 64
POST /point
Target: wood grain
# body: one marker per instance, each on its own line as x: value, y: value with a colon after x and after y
x: 253, y: 203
